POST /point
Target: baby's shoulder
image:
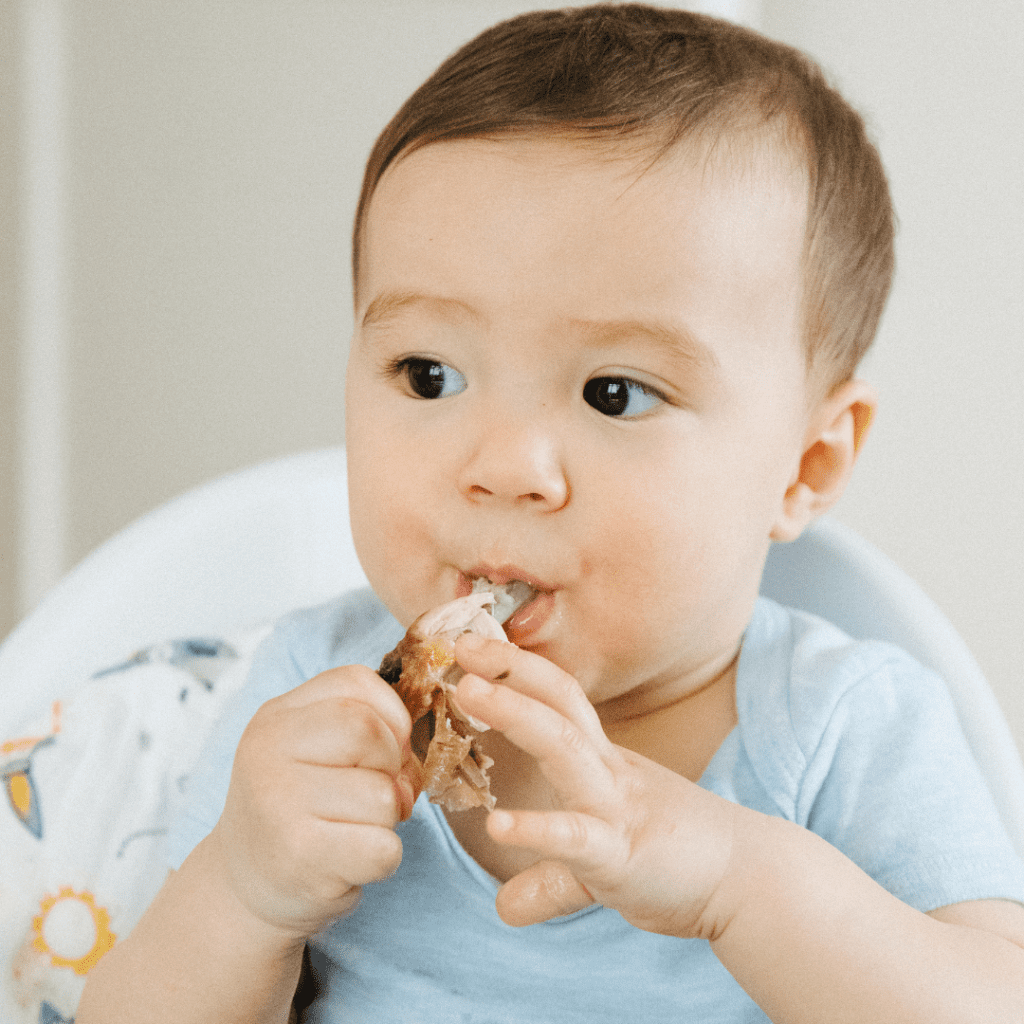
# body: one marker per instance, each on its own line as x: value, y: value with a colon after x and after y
x: 860, y: 743
x: 810, y: 669
x: 809, y: 697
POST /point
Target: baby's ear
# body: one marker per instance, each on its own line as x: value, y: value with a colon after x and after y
x: 835, y: 434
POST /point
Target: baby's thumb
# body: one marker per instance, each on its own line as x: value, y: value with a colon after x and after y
x: 545, y: 890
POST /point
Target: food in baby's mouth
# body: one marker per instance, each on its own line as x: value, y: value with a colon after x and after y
x: 424, y: 673
x: 508, y: 598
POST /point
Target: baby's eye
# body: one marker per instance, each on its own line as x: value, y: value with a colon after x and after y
x: 430, y: 379
x: 620, y: 396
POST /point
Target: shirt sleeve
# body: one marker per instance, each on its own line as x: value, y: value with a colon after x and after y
x: 891, y: 782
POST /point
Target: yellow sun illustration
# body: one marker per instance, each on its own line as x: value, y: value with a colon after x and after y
x: 73, y: 930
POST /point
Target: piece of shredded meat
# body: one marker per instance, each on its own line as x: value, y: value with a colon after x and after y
x: 424, y: 673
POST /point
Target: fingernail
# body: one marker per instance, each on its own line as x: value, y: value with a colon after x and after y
x: 406, y: 798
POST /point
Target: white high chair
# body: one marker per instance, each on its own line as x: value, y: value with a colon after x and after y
x: 248, y: 547
x: 240, y: 550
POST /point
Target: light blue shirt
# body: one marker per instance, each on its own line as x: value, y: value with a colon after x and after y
x: 853, y: 740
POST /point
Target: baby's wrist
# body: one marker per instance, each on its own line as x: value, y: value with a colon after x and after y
x: 756, y: 847
x: 773, y: 865
x: 246, y: 900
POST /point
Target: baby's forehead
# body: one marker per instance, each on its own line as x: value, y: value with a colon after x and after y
x: 586, y: 240
x: 740, y: 173
x: 625, y: 196
x: 741, y: 165
x: 432, y: 258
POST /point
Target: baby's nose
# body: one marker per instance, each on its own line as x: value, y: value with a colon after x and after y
x: 515, y: 464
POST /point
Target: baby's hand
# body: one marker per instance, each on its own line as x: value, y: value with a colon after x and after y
x: 627, y: 833
x: 321, y: 777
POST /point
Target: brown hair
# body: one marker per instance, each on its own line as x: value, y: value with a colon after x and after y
x: 634, y: 71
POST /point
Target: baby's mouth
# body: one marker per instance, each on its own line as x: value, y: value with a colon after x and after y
x: 508, y: 597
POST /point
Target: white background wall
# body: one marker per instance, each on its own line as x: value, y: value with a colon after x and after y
x: 941, y: 483
x: 176, y: 189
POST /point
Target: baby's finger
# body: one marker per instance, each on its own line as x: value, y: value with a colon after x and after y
x: 531, y: 675
x: 357, y: 795
x: 342, y: 733
x: 570, y: 761
x: 369, y: 853
x: 585, y: 843
x: 545, y: 890
x: 355, y: 683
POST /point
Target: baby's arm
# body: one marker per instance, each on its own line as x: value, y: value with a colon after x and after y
x: 811, y: 937
x: 806, y: 932
x: 321, y: 777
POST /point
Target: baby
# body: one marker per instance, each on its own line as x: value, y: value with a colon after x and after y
x: 614, y: 270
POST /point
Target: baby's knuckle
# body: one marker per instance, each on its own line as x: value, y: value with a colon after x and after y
x: 263, y: 726
x: 558, y: 883
x: 570, y: 738
x: 566, y: 687
x: 359, y: 675
x: 361, y: 723
x: 575, y: 832
x: 512, y: 656
x: 344, y: 679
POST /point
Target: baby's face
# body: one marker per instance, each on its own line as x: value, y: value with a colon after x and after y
x: 591, y: 378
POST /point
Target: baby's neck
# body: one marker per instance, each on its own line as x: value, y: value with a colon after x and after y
x: 685, y: 734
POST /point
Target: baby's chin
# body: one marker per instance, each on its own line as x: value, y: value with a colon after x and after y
x: 621, y: 675
x: 596, y: 678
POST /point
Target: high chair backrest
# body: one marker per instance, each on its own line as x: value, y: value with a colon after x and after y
x: 240, y: 550
x: 250, y: 546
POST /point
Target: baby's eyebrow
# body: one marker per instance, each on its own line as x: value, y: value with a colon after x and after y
x: 390, y: 305
x: 680, y: 341
x: 675, y: 337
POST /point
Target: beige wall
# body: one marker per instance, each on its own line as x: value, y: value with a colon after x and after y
x: 8, y: 314
x: 210, y: 157
x: 941, y: 483
x: 212, y: 154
